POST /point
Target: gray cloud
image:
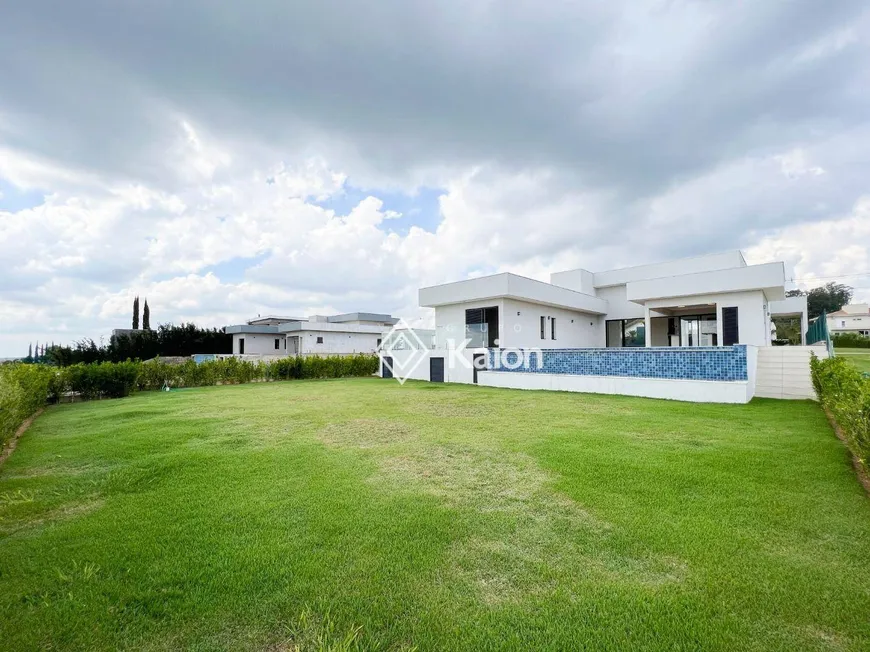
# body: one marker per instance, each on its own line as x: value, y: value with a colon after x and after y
x: 602, y: 134
x: 633, y: 97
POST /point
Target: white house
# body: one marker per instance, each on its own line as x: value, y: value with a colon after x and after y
x: 698, y: 319
x: 854, y: 318
x: 356, y: 332
x: 715, y: 300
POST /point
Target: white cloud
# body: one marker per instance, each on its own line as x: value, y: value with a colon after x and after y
x: 835, y: 249
x: 559, y: 135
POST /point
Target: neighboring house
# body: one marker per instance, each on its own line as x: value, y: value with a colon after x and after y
x: 854, y: 318
x: 357, y: 332
x: 690, y: 329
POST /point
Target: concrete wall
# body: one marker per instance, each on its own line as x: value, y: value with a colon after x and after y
x: 784, y: 371
x: 696, y: 391
x: 414, y: 365
x: 574, y: 329
x: 334, y: 342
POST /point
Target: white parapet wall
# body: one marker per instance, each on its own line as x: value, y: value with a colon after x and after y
x: 696, y: 391
x: 784, y: 371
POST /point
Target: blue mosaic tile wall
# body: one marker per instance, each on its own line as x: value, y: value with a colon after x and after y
x: 684, y: 363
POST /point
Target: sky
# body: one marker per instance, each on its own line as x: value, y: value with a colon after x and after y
x: 227, y: 159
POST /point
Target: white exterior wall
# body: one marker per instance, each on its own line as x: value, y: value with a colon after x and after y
x: 450, y: 320
x: 455, y: 371
x: 753, y: 321
x: 259, y: 344
x: 335, y: 342
x: 618, y: 306
x: 848, y: 323
x: 696, y: 391
x: 523, y: 330
x: 723, y: 261
x: 574, y: 329
x: 770, y: 276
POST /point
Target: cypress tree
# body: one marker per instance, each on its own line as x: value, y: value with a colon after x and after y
x: 36, y: 357
x: 136, y: 313
x: 146, y: 317
x: 30, y: 351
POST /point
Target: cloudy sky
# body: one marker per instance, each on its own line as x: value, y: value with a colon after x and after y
x: 226, y: 158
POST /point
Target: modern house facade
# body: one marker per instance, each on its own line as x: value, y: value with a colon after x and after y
x: 275, y: 336
x: 646, y: 330
x: 854, y: 318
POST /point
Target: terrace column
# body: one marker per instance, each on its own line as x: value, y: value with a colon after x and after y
x: 647, y: 327
x: 719, y: 325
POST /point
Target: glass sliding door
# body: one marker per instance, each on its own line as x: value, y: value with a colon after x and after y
x: 698, y: 330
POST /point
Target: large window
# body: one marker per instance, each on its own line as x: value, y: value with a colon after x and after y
x: 481, y: 327
x: 625, y: 332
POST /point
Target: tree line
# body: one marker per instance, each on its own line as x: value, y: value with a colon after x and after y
x: 166, y: 340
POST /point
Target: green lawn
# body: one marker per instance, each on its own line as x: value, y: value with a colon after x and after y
x: 860, y: 358
x: 299, y: 515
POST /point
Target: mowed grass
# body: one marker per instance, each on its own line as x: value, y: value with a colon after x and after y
x: 859, y: 358
x: 359, y: 514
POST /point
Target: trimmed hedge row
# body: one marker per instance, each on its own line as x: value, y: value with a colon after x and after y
x: 845, y: 392
x: 23, y: 390
x: 850, y: 341
x: 153, y: 375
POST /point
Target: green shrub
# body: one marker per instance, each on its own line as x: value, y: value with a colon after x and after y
x: 103, y: 380
x: 845, y: 392
x: 24, y: 389
x: 850, y: 341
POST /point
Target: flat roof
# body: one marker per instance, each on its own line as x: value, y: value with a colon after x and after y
x: 510, y: 286
x: 251, y: 328
x: 362, y: 316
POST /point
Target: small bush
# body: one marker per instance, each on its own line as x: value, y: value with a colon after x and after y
x: 845, y: 392
x: 24, y: 389
x: 850, y: 341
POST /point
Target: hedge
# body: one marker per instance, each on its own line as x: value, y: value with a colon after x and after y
x: 850, y: 341
x: 23, y: 390
x: 845, y: 392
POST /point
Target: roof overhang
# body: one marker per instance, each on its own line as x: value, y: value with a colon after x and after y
x: 769, y: 278
x: 510, y: 286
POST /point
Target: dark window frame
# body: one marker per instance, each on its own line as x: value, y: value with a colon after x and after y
x: 319, y: 339
x: 552, y: 328
x: 488, y: 315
